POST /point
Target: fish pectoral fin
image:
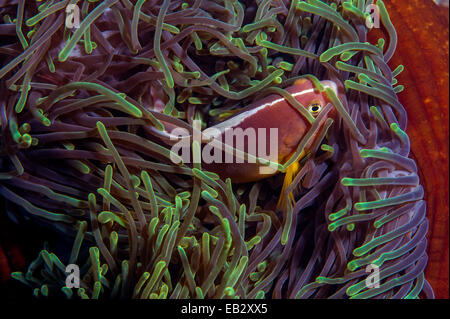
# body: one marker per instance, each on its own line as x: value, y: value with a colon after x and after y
x: 288, y: 199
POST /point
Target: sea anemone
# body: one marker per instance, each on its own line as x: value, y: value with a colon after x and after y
x: 82, y: 109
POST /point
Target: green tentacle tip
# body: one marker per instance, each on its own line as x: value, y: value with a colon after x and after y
x: 254, y: 276
x: 47, y: 259
x: 321, y: 280
x: 365, y: 153
x: 261, y: 266
x: 338, y: 214
x: 82, y: 293
x: 285, y: 235
x: 36, y: 292
x: 25, y: 140
x: 399, y: 69
x: 352, y: 265
x: 285, y: 66
x: 199, y: 293
x: 101, y: 128
x: 399, y: 89
x: 18, y: 275
x: 253, y: 242
x: 260, y: 295
x: 332, y: 227
x: 105, y: 217
x: 135, y: 181
x: 364, y: 78
x: 214, y: 210
x: 207, y: 196
x: 358, y: 252
x: 97, y: 289
x: 195, y: 100
x: 361, y: 206
x: 277, y: 80
x: 378, y: 223
x: 229, y: 291
x: 46, y: 122
x: 395, y: 128
x: 25, y: 128
x: 381, y: 43
x: 211, y: 191
x: 353, y: 290
x: 44, y: 290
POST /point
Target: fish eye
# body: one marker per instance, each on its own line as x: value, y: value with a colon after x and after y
x: 315, y: 108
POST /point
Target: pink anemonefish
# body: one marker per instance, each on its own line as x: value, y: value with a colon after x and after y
x: 272, y: 111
